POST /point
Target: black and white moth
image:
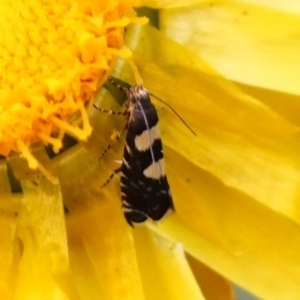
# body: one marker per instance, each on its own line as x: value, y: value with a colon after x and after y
x: 145, y: 190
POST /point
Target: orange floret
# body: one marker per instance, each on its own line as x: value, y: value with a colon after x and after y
x: 54, y: 55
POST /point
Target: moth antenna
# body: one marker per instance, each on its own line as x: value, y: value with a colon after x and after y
x: 139, y: 81
x: 176, y: 113
x: 120, y: 88
x: 112, y: 175
x: 136, y: 74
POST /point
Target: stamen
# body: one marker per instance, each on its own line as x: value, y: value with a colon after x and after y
x: 119, y: 23
x: 34, y: 163
x: 74, y: 131
x: 136, y: 74
x: 60, y: 137
x: 85, y: 119
x: 57, y: 143
x: 119, y: 52
x: 140, y: 20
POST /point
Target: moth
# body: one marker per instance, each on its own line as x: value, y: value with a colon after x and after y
x: 145, y: 190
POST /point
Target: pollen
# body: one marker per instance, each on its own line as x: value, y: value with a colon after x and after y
x: 53, y: 57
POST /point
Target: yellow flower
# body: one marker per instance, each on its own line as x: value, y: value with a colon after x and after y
x: 235, y: 185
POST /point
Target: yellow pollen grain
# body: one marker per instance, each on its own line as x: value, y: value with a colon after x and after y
x: 53, y: 55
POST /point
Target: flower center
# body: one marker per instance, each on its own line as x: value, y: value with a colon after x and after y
x: 54, y: 55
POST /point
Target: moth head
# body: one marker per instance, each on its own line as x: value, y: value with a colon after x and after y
x: 137, y: 93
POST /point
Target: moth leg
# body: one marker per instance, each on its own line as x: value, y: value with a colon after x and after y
x: 119, y: 87
x: 112, y: 175
x: 110, y: 112
x: 118, y: 135
x: 116, y: 138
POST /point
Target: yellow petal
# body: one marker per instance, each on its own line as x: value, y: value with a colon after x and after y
x: 42, y: 234
x: 292, y: 6
x: 213, y: 285
x: 162, y: 265
x: 10, y: 250
x: 260, y: 254
x: 287, y: 105
x: 102, y: 254
x: 165, y: 4
x: 251, y: 44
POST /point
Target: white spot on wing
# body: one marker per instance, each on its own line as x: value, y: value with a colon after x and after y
x: 156, y: 170
x: 146, y: 138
